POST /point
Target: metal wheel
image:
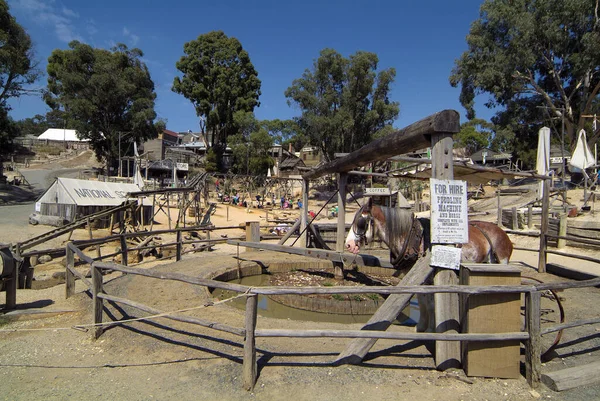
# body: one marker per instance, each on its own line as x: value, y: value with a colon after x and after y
x: 551, y: 314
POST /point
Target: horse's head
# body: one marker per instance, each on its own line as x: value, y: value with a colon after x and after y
x: 362, y: 230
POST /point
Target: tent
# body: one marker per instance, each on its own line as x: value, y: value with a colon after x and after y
x: 71, y: 199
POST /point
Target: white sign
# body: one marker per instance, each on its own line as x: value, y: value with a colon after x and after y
x: 377, y: 191
x: 447, y: 257
x: 38, y: 206
x: 182, y: 166
x: 449, y: 213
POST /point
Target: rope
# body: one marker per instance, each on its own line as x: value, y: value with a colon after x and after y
x: 83, y: 327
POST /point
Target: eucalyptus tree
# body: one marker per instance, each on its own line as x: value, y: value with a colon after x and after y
x: 344, y: 101
x: 541, y: 54
x: 220, y: 80
x: 107, y: 95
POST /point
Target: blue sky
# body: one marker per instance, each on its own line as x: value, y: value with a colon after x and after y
x: 421, y: 39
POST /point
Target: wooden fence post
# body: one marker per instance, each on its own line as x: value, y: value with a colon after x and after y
x: 530, y: 216
x: 69, y: 276
x: 533, y: 347
x: 447, y: 316
x: 515, y: 218
x: 544, y: 227
x: 97, y: 304
x: 124, y: 256
x: 249, y: 367
x: 252, y: 233
x: 342, y: 178
x: 562, y: 231
x: 498, y: 195
x: 179, y: 246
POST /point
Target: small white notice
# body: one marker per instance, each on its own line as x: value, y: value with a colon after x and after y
x: 447, y: 257
x: 449, y: 212
x: 38, y: 207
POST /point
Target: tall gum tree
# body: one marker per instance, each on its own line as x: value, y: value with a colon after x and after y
x: 534, y: 53
x: 107, y: 95
x: 17, y: 71
x: 220, y: 80
x: 344, y: 101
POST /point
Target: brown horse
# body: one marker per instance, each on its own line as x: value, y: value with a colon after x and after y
x: 408, y: 239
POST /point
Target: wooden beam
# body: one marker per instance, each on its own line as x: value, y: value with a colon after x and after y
x: 387, y: 313
x: 415, y: 136
x: 576, y: 376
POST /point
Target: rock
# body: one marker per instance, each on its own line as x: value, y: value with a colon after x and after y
x: 59, y: 275
x: 44, y: 259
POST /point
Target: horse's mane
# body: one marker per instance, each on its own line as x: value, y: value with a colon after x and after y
x: 398, y: 224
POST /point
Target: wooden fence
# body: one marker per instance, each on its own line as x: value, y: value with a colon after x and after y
x: 531, y: 337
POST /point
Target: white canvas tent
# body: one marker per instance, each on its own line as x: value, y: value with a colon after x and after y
x: 59, y: 134
x: 542, y: 165
x: 70, y: 198
x: 582, y: 157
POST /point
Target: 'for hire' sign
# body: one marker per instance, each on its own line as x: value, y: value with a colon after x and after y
x: 449, y: 214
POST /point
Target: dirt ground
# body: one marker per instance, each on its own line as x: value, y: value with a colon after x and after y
x: 42, y: 355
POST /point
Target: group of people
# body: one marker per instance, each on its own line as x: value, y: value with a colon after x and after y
x: 289, y: 203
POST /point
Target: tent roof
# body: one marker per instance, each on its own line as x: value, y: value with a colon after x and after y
x: 87, y: 193
x: 59, y: 134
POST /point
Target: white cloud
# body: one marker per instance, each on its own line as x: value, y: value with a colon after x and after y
x: 132, y: 38
x: 46, y: 13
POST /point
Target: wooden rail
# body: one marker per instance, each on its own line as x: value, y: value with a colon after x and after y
x: 531, y: 337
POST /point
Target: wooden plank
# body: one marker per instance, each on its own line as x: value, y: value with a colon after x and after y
x: 392, y: 335
x: 492, y: 313
x: 252, y: 233
x: 346, y: 258
x: 249, y: 364
x: 583, y: 232
x: 584, y: 224
x: 387, y: 313
x: 341, y: 223
x: 576, y: 376
x: 562, y: 231
x: 415, y: 136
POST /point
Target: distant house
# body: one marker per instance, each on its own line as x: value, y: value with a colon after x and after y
x: 556, y: 158
x: 290, y: 166
x: 310, y: 155
x: 63, y: 137
x: 158, y: 146
x: 488, y: 157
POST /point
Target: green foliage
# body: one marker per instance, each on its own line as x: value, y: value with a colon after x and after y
x: 220, y: 80
x: 210, y: 161
x: 533, y: 53
x: 103, y: 93
x: 473, y: 136
x: 251, y: 146
x: 344, y: 102
x: 16, y: 71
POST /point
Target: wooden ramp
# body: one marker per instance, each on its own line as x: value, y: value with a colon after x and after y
x: 387, y: 313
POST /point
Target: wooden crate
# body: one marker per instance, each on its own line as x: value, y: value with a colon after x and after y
x: 491, y: 313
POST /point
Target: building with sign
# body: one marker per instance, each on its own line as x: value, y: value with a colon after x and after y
x: 72, y: 199
x: 386, y: 197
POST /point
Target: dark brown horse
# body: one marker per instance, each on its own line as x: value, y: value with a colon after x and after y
x: 408, y: 239
x: 408, y: 236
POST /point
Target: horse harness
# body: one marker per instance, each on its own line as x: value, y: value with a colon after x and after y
x: 412, y: 247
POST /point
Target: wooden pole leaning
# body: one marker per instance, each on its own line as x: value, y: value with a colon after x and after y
x: 342, y: 178
x: 97, y: 304
x: 179, y: 246
x: 447, y: 316
x: 249, y: 364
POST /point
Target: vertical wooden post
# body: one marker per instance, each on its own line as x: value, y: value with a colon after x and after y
x: 123, y: 249
x: 342, y: 178
x: 69, y: 276
x: 544, y: 227
x: 447, y: 353
x: 96, y: 301
x: 252, y: 233
x: 12, y: 282
x: 249, y: 368
x: 533, y: 347
x: 304, y: 213
x: 562, y: 231
x: 169, y: 208
x: 530, y: 216
x: 499, y: 222
x: 515, y: 218
x: 179, y: 246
